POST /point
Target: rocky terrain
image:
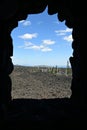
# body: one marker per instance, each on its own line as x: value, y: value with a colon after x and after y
x: 39, y: 85
x: 41, y: 100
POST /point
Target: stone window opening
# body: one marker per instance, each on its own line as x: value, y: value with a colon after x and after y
x: 45, y: 91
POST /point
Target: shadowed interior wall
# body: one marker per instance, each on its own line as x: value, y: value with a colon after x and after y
x: 70, y: 11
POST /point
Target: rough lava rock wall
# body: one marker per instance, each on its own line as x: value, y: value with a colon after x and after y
x: 72, y: 12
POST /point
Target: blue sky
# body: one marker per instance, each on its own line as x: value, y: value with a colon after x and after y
x: 41, y: 39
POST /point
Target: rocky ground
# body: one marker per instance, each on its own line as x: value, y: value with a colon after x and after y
x: 38, y: 85
x: 41, y: 100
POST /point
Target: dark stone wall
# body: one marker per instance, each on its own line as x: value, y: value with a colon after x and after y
x: 72, y: 12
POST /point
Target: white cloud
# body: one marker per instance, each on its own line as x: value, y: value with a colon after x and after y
x: 68, y: 30
x: 28, y: 44
x: 48, y: 42
x: 28, y: 36
x: 38, y: 47
x: 21, y: 21
x: 46, y: 49
x: 63, y: 32
x: 25, y: 22
x: 68, y: 38
x: 35, y: 47
x: 60, y: 33
x: 66, y: 34
x: 41, y: 47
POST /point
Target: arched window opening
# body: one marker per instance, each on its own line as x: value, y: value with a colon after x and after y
x: 42, y: 47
